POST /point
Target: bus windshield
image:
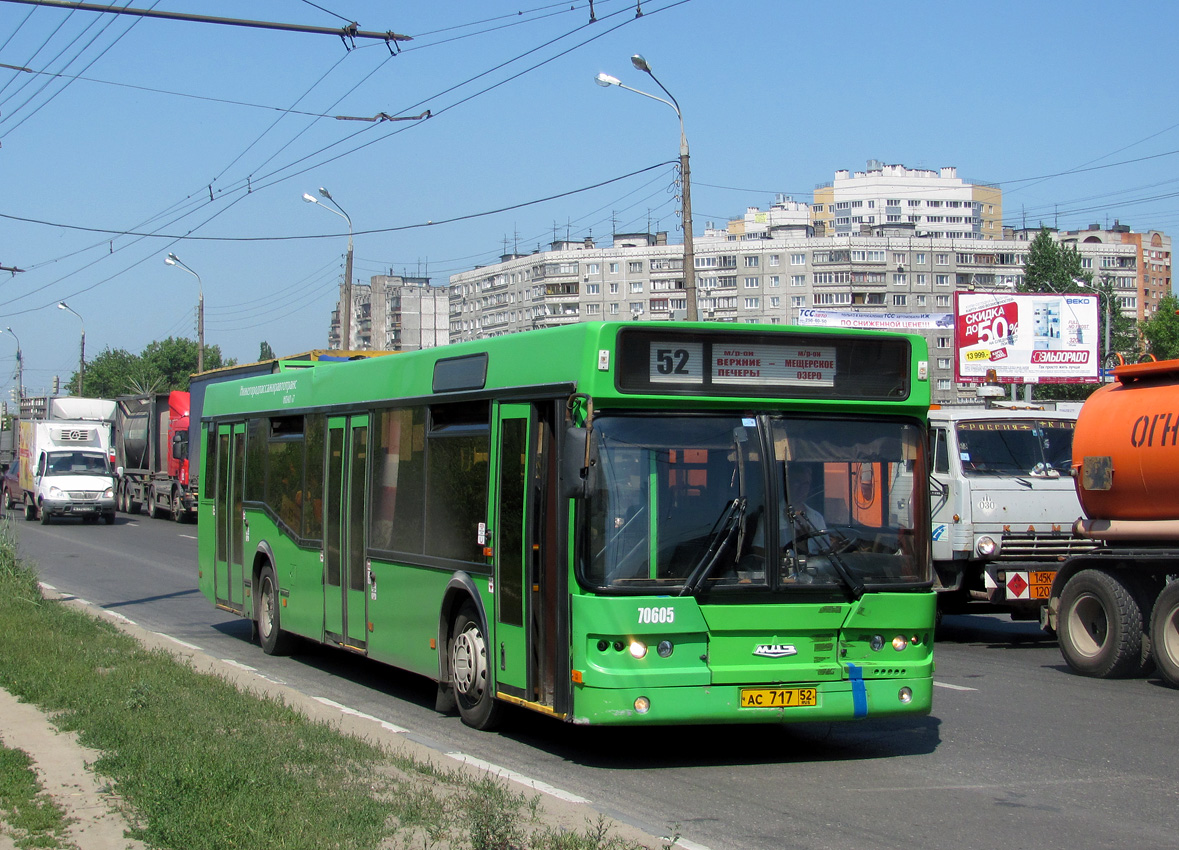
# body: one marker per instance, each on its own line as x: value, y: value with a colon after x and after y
x: 1038, y: 447
x: 687, y: 504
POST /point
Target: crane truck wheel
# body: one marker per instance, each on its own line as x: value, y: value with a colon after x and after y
x: 1164, y: 633
x: 1100, y: 627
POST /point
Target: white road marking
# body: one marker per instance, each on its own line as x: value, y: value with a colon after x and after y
x: 188, y: 536
x: 343, y: 709
x: 534, y: 784
x: 185, y: 644
x: 239, y: 665
x: 953, y: 687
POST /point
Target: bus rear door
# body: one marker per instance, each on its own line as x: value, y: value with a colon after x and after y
x: 228, y: 575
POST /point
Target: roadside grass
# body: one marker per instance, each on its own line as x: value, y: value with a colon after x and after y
x: 31, y: 818
x: 199, y: 764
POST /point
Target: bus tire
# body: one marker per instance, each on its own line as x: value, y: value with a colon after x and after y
x: 1164, y: 634
x: 1100, y: 628
x: 273, y: 639
x: 470, y: 671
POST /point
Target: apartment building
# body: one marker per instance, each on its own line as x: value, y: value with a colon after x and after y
x: 1142, y: 283
x: 934, y: 204
x: 394, y: 313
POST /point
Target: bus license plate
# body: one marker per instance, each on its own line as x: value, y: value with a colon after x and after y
x: 778, y: 697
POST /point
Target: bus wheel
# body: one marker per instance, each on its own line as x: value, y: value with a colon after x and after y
x: 471, y: 672
x: 1100, y: 627
x: 270, y: 634
x: 1164, y: 633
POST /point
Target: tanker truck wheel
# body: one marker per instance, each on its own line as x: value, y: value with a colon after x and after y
x: 178, y: 512
x: 1164, y: 634
x: 1100, y: 627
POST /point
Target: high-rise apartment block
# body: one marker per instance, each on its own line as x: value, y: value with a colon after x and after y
x: 937, y: 204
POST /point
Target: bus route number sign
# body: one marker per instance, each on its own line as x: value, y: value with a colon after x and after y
x: 677, y: 363
x: 737, y: 365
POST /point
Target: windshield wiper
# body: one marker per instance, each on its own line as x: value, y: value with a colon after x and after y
x: 854, y: 586
x: 730, y: 521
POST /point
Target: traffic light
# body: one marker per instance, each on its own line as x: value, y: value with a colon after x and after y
x: 56, y: 384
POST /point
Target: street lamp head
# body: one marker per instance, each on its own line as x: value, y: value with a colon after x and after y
x: 640, y: 63
x: 309, y: 198
x: 171, y: 260
x: 605, y: 81
x: 326, y: 193
x: 61, y: 305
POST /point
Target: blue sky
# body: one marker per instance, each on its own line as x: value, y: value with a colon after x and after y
x: 203, y: 138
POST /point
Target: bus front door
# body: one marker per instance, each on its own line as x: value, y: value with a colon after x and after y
x: 524, y: 586
x: 345, y: 570
x: 228, y: 573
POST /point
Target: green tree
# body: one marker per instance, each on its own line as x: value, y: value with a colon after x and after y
x: 175, y: 358
x: 266, y: 352
x: 1161, y: 330
x: 117, y: 372
x: 160, y: 367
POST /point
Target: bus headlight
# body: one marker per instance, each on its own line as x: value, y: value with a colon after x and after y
x: 642, y: 705
x: 877, y: 643
x: 665, y: 648
x: 638, y: 649
x: 905, y: 695
x: 988, y: 547
x: 900, y: 642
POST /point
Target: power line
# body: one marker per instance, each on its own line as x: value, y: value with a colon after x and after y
x: 349, y: 31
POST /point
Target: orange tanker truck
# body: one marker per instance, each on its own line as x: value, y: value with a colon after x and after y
x: 1116, y: 609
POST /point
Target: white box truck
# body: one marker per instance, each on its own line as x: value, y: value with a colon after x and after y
x: 65, y: 470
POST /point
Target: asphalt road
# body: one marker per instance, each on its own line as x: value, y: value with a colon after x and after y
x: 1017, y: 753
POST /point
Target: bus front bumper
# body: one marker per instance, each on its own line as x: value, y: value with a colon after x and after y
x: 838, y: 700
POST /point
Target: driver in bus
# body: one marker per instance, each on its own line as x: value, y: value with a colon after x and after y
x: 799, y: 479
x: 809, y: 521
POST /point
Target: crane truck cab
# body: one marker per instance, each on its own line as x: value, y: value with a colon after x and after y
x: 1003, y: 505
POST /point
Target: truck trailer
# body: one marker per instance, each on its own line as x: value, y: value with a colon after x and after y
x: 65, y: 470
x: 151, y: 455
x: 1116, y: 609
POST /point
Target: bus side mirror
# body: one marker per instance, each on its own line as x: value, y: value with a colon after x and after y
x: 577, y: 479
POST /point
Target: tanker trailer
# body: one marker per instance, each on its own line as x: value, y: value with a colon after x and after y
x: 1116, y: 609
x: 151, y: 455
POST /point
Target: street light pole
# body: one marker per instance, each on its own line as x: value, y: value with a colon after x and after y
x: 606, y: 80
x: 346, y: 310
x: 173, y: 260
x: 61, y: 305
x: 20, y: 371
x: 1108, y: 328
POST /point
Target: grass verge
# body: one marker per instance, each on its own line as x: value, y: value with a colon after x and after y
x: 33, y: 820
x: 201, y: 765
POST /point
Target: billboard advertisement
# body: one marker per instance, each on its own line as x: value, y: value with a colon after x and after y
x: 1026, y: 337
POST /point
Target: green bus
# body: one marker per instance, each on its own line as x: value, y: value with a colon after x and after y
x: 608, y: 523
